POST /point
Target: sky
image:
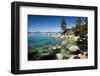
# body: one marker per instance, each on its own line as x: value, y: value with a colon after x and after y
x: 44, y: 23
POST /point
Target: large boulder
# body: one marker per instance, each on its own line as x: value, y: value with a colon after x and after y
x: 59, y: 56
x: 74, y: 50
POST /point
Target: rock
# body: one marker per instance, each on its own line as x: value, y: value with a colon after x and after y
x: 74, y: 57
x: 59, y: 56
x: 86, y: 54
x: 58, y: 47
x: 73, y: 48
x: 45, y: 48
x: 63, y: 42
x: 54, y: 48
x: 83, y: 56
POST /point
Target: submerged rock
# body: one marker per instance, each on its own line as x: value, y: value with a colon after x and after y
x: 63, y: 42
x: 58, y: 47
x: 45, y: 48
x: 54, y: 48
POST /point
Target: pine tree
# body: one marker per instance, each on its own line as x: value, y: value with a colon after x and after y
x: 77, y: 28
x: 86, y: 21
x: 63, y: 24
x: 78, y: 22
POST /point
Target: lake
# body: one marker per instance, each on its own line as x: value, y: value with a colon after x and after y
x: 37, y: 40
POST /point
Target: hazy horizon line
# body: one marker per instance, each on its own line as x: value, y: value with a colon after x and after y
x: 40, y: 31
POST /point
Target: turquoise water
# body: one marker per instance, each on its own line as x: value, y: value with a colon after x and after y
x: 41, y: 40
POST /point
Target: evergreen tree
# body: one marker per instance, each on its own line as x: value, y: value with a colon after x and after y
x: 78, y: 26
x: 78, y: 22
x: 63, y: 25
x: 86, y: 21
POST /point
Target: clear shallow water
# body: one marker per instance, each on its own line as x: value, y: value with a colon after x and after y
x: 40, y: 40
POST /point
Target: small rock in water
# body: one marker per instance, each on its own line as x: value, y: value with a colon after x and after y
x: 59, y: 47
x: 54, y: 48
x: 63, y: 42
